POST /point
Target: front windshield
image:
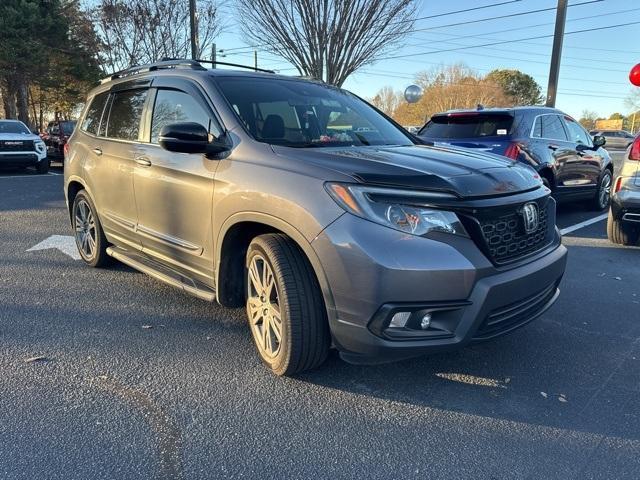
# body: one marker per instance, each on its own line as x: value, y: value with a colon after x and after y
x: 304, y: 114
x: 13, y: 127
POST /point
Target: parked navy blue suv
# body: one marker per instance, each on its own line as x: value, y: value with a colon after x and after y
x: 571, y: 163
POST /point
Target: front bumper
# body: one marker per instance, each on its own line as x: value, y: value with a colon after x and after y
x: 371, y: 269
x: 21, y: 159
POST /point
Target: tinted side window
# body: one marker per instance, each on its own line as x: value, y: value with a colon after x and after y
x: 91, y: 120
x: 551, y: 127
x: 576, y: 132
x: 173, y: 106
x: 125, y: 114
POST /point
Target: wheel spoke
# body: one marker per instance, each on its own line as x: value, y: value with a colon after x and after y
x: 255, y: 276
x: 276, y: 326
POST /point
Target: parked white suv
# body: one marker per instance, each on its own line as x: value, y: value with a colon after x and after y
x: 19, y: 147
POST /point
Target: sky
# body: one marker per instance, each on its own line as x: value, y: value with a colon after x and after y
x: 595, y: 63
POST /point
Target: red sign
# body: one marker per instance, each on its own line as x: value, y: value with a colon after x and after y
x: 634, y: 75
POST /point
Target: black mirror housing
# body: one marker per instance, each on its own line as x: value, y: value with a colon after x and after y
x: 599, y: 141
x: 184, y: 137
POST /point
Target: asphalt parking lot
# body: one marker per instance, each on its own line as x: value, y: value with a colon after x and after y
x: 132, y: 379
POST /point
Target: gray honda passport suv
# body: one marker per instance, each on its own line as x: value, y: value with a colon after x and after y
x: 323, y: 217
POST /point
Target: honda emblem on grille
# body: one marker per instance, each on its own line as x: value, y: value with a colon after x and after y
x: 530, y: 217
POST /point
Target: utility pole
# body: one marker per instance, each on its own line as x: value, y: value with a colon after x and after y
x: 194, y: 29
x: 214, y: 55
x: 255, y: 60
x: 554, y: 70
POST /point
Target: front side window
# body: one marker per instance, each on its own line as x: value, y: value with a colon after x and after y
x: 125, y: 115
x: 172, y: 106
x: 91, y: 121
x: 549, y: 127
x: 576, y: 132
x: 304, y: 114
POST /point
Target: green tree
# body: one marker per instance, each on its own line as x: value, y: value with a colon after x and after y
x: 522, y: 88
x: 47, y: 48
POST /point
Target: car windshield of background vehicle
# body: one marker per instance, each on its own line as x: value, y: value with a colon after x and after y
x: 471, y: 125
x: 303, y: 114
x: 14, y: 127
x: 66, y: 128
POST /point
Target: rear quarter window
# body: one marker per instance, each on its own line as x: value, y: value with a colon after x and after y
x: 91, y: 121
x: 471, y: 126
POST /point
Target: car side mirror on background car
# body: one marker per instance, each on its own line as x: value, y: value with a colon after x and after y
x: 190, y: 137
x: 599, y: 141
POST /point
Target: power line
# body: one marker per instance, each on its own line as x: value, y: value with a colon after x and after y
x: 507, y: 41
x: 480, y: 20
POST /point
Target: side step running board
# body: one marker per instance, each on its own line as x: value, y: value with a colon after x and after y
x: 141, y: 262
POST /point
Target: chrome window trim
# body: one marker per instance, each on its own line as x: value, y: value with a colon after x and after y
x: 533, y: 126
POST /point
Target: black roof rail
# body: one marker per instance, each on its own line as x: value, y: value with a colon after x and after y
x: 164, y: 63
x: 237, y: 65
x: 175, y: 63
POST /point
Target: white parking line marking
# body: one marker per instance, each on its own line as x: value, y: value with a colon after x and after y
x: 65, y: 243
x: 586, y: 223
x: 31, y: 176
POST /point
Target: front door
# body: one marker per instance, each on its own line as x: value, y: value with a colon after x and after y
x: 174, y: 191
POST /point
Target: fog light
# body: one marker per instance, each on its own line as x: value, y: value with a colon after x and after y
x: 425, y: 322
x: 399, y: 320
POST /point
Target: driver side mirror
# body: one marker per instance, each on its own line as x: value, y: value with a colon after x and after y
x: 190, y: 137
x: 599, y: 141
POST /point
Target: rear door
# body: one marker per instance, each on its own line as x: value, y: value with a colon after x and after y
x: 174, y: 191
x: 484, y: 131
x: 112, y: 163
x: 551, y: 138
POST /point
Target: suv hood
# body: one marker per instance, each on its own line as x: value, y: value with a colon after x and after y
x: 18, y: 137
x: 462, y: 172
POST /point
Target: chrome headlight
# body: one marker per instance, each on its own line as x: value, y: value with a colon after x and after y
x: 382, y: 206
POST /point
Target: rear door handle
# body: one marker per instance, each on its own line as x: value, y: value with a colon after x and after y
x: 97, y: 151
x: 143, y: 161
x: 554, y: 147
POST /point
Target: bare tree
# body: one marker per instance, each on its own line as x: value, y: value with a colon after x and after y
x: 387, y: 100
x: 142, y: 31
x: 327, y: 39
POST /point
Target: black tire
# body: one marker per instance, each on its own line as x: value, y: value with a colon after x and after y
x: 43, y: 166
x: 602, y: 197
x: 304, y: 331
x: 98, y: 256
x: 621, y: 233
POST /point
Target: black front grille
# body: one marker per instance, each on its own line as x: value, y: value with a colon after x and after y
x: 16, y: 146
x: 514, y: 315
x: 501, y: 235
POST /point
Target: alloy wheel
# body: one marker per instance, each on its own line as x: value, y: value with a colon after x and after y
x: 263, y: 306
x: 85, y: 227
x: 605, y: 190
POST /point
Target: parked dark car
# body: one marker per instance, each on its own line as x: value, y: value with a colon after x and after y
x: 571, y: 163
x: 57, y: 134
x: 623, y: 226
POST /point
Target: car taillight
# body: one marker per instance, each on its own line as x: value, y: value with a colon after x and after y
x: 512, y: 151
x: 65, y: 150
x: 618, y: 185
x: 634, y: 154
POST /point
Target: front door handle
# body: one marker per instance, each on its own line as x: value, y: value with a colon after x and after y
x: 97, y: 151
x: 554, y: 147
x: 143, y: 161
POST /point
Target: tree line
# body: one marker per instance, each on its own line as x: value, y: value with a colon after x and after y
x: 458, y: 86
